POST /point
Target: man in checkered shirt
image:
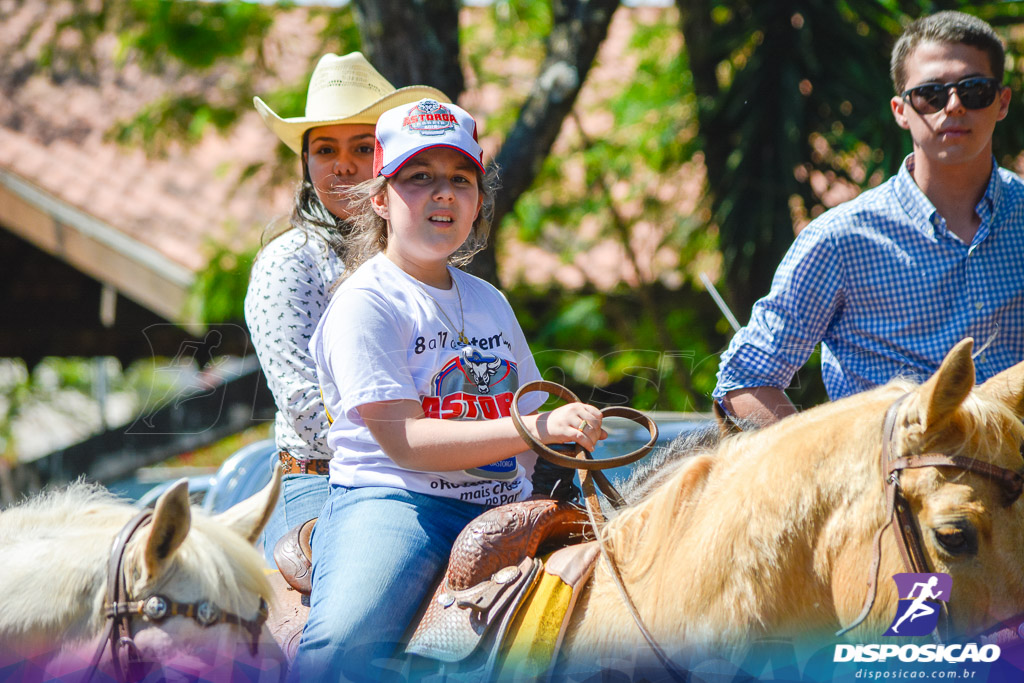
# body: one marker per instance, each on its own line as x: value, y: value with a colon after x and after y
x: 890, y: 281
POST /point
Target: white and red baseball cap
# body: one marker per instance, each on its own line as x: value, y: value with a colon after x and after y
x: 405, y: 131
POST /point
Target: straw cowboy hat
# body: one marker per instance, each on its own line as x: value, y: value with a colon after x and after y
x: 343, y: 90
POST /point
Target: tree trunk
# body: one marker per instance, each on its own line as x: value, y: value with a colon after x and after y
x: 577, y: 31
x: 703, y: 56
x: 413, y: 42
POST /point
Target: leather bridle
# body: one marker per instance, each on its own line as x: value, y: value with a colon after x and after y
x: 899, y: 516
x: 119, y: 611
x: 590, y: 472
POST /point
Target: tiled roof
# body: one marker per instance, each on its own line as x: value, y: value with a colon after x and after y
x: 54, y: 140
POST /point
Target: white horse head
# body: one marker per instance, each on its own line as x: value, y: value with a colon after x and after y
x: 53, y: 585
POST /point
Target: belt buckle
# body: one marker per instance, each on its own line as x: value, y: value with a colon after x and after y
x: 289, y: 461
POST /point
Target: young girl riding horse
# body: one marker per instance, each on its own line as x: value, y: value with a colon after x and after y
x: 418, y: 362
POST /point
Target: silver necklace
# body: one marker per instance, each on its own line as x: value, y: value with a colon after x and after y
x: 462, y: 315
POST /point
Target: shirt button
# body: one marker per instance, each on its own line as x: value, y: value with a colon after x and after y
x: 981, y: 358
x: 979, y: 305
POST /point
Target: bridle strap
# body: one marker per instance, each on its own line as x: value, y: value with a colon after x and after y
x: 597, y: 522
x: 156, y: 608
x: 897, y: 515
x: 1011, y: 482
x: 116, y: 627
x: 876, y: 561
x: 119, y: 611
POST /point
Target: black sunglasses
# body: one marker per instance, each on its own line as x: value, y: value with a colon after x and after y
x: 974, y: 93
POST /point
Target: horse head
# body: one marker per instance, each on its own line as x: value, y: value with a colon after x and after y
x: 202, y: 587
x: 181, y: 595
x: 969, y: 520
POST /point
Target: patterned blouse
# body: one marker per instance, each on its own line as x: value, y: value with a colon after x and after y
x: 288, y: 292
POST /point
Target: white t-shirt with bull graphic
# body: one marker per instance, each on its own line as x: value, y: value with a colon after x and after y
x: 383, y: 338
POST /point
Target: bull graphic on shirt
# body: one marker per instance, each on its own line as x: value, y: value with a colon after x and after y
x: 479, y: 368
x: 475, y: 385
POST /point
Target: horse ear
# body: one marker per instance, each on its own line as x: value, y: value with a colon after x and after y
x: 172, y: 519
x: 949, y: 386
x: 250, y: 516
x: 1008, y: 387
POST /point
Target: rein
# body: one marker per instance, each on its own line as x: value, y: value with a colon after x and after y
x: 119, y: 612
x: 588, y: 467
x: 898, y: 514
x: 590, y: 472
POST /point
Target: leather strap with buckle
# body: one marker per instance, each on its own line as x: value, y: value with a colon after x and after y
x: 293, y: 465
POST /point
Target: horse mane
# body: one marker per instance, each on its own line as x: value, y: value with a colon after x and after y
x: 65, y: 512
x: 652, y: 472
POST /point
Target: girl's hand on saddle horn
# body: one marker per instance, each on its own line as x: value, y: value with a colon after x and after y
x: 572, y: 423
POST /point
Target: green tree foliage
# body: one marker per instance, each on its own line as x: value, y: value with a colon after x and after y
x: 218, y: 294
x: 653, y: 337
x: 195, y: 34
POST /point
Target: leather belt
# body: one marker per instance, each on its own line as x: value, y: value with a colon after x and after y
x: 293, y: 465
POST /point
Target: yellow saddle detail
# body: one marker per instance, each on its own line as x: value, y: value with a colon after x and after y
x: 536, y: 632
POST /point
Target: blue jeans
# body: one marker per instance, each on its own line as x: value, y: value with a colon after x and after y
x: 302, y: 498
x: 378, y: 553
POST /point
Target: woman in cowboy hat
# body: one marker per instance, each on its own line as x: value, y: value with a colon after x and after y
x: 292, y: 276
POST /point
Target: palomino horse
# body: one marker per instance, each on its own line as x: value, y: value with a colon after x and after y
x: 772, y: 533
x: 190, y: 590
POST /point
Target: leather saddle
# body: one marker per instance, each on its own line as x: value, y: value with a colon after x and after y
x: 294, y: 557
x: 501, y: 537
x: 491, y: 566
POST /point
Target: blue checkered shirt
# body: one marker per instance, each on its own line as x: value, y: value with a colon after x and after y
x: 888, y: 290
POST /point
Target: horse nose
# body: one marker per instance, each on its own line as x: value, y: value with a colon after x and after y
x: 216, y: 653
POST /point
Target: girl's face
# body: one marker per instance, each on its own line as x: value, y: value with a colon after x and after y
x: 339, y: 156
x: 430, y: 206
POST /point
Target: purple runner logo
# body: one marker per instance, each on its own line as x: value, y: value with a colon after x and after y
x: 920, y: 595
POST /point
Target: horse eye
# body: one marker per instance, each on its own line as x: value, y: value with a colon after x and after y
x: 957, y: 539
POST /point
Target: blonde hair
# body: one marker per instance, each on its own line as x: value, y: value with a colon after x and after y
x: 369, y: 234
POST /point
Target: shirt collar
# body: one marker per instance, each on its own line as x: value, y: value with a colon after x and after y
x: 923, y: 214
